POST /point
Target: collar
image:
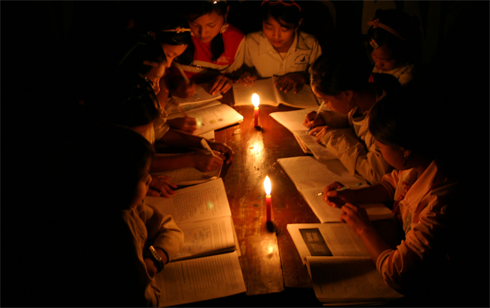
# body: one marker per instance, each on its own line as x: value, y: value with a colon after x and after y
x: 298, y: 43
x: 424, y: 182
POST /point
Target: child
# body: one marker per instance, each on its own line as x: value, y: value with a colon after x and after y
x: 280, y: 48
x: 137, y: 108
x: 422, y: 192
x: 394, y: 45
x: 215, y: 55
x: 341, y: 81
x: 121, y: 164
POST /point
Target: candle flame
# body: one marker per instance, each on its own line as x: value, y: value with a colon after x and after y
x: 267, y: 185
x: 255, y: 100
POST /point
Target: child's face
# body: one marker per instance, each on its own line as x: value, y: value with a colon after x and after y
x: 206, y: 27
x: 384, y: 59
x: 280, y: 37
x: 173, y: 51
x: 142, y: 188
x: 393, y: 155
x: 154, y: 75
x: 338, y: 103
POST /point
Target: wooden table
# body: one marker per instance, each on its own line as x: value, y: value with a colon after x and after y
x: 270, y: 262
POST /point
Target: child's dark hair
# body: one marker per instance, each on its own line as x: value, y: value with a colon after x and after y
x: 126, y: 100
x: 405, y: 42
x: 195, y: 9
x: 115, y: 159
x: 399, y: 119
x: 337, y: 72
x: 142, y: 57
x: 283, y: 12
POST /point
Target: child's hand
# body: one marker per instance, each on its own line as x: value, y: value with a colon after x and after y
x: 185, y: 90
x: 319, y: 132
x: 224, y: 149
x: 161, y: 185
x: 206, y: 162
x: 291, y: 81
x: 337, y: 198
x: 221, y: 84
x: 311, y: 122
x: 247, y: 79
x: 186, y: 124
x: 150, y: 267
x: 356, y: 218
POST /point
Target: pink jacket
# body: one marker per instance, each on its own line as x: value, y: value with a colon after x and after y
x: 422, y: 212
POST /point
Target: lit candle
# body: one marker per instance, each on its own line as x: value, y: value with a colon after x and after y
x: 267, y: 187
x: 255, y: 101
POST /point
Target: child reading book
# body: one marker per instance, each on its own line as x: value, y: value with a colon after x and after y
x: 422, y: 193
x: 341, y: 81
x: 394, y: 45
x: 280, y: 48
x: 215, y: 55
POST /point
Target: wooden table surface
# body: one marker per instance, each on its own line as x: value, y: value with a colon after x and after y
x: 270, y: 262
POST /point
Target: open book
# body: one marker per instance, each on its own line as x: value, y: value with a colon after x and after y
x: 212, y: 117
x: 269, y: 94
x: 293, y: 121
x: 188, y: 176
x: 201, y: 97
x: 311, y: 176
x: 207, y: 266
x: 339, y: 265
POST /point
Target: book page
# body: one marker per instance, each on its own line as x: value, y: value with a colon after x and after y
x: 215, y: 117
x: 264, y: 89
x: 202, y: 96
x: 200, y: 279
x: 206, y: 237
x: 195, y: 203
x: 293, y: 121
x: 173, y: 112
x: 303, y: 99
x: 307, y: 172
x: 189, y: 176
x: 348, y: 280
x: 338, y: 238
x: 311, y: 176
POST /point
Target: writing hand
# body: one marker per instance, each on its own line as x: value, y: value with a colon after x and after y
x: 206, y: 162
x: 337, y: 198
x: 186, y: 124
x: 185, y: 90
x: 224, y: 149
x: 162, y: 185
x: 150, y: 267
x: 220, y: 84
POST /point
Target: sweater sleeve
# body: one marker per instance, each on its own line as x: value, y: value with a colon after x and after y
x: 163, y: 232
x: 352, y: 152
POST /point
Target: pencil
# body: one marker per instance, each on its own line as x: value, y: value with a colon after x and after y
x: 207, y: 147
x: 316, y: 115
x: 343, y: 188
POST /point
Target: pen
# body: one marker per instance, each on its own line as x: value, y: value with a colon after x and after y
x: 343, y: 188
x: 316, y: 115
x: 207, y: 147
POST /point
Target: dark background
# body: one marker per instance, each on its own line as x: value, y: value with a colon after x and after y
x: 51, y: 50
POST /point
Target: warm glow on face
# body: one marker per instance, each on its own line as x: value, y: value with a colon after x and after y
x: 267, y: 185
x: 255, y: 100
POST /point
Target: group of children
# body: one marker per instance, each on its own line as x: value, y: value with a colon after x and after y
x: 371, y: 134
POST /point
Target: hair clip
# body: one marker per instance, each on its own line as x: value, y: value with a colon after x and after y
x: 373, y: 44
x: 375, y: 24
x: 177, y: 30
x: 282, y: 3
